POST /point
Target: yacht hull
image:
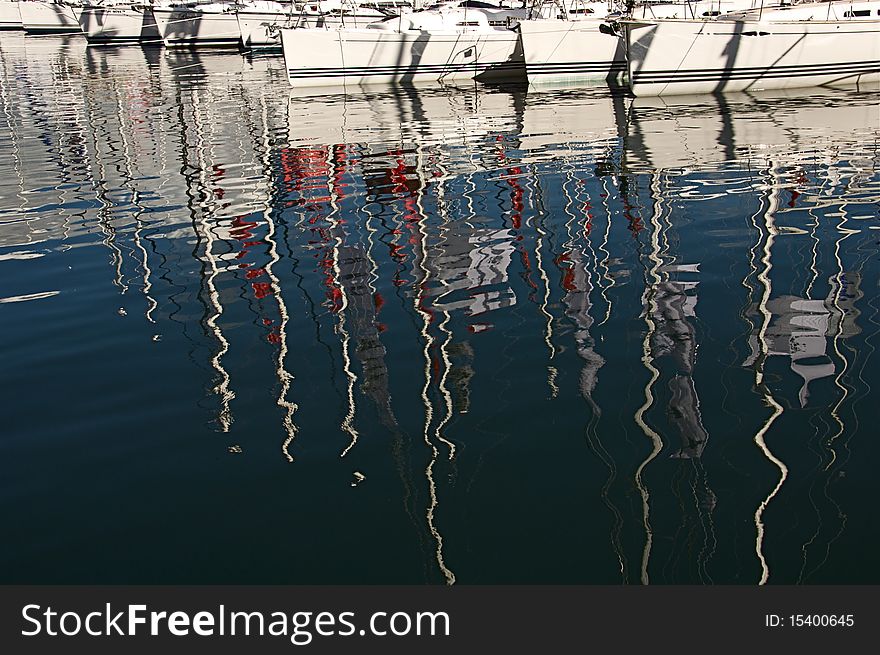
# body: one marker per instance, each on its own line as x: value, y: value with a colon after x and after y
x: 674, y: 57
x: 49, y: 18
x: 10, y: 17
x: 187, y: 28
x: 571, y: 51
x: 263, y: 30
x: 368, y: 56
x: 119, y: 25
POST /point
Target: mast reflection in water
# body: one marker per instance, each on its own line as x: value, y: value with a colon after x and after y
x: 464, y: 335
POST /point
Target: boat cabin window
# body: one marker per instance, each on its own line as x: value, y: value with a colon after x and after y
x: 858, y: 13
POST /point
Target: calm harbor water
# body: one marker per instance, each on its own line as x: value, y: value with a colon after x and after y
x: 430, y: 335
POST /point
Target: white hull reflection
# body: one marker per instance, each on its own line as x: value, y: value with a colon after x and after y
x: 689, y: 133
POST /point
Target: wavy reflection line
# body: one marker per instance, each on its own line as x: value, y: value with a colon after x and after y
x: 837, y: 289
x: 376, y: 374
x: 372, y: 279
x: 835, y: 283
x: 543, y: 235
x: 104, y: 212
x: 444, y: 376
x: 76, y: 141
x: 545, y: 300
x: 578, y: 298
x: 814, y: 254
x: 649, y: 301
x: 428, y: 342
x: 842, y: 460
x: 284, y: 376
x: 338, y: 232
x: 605, y: 263
x: 16, y: 149
x: 710, y: 542
x: 760, y: 437
x: 443, y: 327
x: 692, y: 434
x: 144, y: 262
x: 223, y: 388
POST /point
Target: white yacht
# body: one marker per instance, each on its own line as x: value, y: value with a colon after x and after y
x: 50, y: 16
x: 449, y: 41
x: 813, y: 44
x: 261, y: 30
x: 230, y: 23
x: 198, y: 23
x: 119, y: 22
x: 10, y: 16
x: 577, y: 40
x: 570, y: 42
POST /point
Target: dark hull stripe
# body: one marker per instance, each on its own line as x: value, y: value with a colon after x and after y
x: 188, y: 43
x: 576, y: 67
x: 667, y: 77
x: 120, y: 39
x: 371, y: 71
x: 53, y: 30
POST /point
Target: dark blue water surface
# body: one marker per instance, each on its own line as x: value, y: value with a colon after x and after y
x: 430, y: 335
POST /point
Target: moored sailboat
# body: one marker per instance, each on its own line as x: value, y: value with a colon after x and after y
x: 453, y: 41
x: 578, y: 41
x: 50, y: 16
x: 211, y: 23
x: 119, y: 22
x: 821, y: 43
x: 262, y: 31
